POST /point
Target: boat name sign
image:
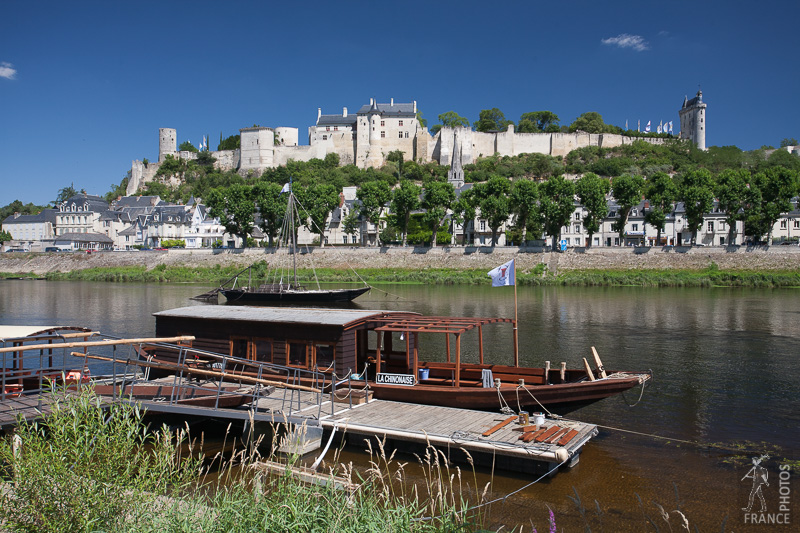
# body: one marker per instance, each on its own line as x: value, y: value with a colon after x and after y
x: 395, y: 379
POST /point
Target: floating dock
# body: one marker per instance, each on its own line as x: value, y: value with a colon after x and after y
x: 491, y: 439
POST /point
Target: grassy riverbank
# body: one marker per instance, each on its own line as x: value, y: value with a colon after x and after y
x: 708, y: 277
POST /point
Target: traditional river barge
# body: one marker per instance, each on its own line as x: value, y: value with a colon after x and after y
x: 380, y: 351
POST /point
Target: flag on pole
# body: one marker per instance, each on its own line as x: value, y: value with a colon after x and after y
x: 647, y: 128
x: 626, y: 124
x: 658, y: 129
x: 638, y: 125
x: 670, y: 127
x: 286, y: 188
x: 505, y: 274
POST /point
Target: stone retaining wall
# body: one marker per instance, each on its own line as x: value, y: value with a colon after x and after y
x: 731, y: 258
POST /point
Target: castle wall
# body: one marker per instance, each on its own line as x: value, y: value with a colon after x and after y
x: 483, y: 145
x: 531, y: 143
x: 287, y: 136
x: 257, y: 148
x: 284, y: 154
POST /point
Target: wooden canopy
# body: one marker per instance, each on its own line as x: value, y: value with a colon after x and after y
x: 438, y: 324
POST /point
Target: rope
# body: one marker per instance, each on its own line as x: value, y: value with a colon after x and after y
x: 521, y: 386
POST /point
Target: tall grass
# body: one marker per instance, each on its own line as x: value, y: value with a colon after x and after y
x: 87, y: 467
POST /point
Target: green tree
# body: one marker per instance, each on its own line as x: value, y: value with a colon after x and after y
x: 661, y: 191
x: 271, y: 205
x: 627, y: 191
x: 464, y: 210
x: 421, y: 121
x: 234, y: 207
x: 789, y: 141
x: 374, y: 195
x: 65, y: 194
x: 696, y: 191
x: 731, y: 192
x: 491, y: 120
x: 524, y: 203
x: 317, y: 202
x: 557, y: 203
x: 437, y: 199
x: 351, y: 223
x: 5, y: 236
x: 186, y: 146
x: 396, y: 156
x: 405, y: 199
x: 590, y: 122
x: 777, y: 186
x: 234, y: 142
x: 591, y: 190
x: 450, y: 119
x: 18, y: 207
x: 118, y: 190
x: 538, y: 121
x: 492, y: 200
x: 205, y: 159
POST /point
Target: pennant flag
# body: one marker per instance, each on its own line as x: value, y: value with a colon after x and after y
x: 286, y: 188
x: 638, y: 125
x: 670, y: 127
x: 647, y: 128
x: 503, y: 275
x: 658, y: 129
x: 626, y: 124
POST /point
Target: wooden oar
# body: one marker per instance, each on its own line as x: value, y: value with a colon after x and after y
x: 210, y: 373
x: 29, y: 347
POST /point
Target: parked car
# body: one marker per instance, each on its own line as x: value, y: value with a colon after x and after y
x: 160, y: 249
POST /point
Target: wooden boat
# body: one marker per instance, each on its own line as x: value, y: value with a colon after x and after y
x: 380, y: 350
x: 285, y: 287
x: 225, y: 396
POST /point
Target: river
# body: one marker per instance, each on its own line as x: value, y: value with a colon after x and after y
x: 726, y: 372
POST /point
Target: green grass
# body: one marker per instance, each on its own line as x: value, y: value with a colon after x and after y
x: 709, y: 277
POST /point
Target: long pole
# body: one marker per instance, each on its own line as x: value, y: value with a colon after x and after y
x: 292, y: 229
x: 516, y: 321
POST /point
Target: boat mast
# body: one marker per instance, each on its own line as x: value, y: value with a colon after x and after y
x: 292, y: 230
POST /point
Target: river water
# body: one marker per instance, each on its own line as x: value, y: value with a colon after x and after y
x: 726, y: 372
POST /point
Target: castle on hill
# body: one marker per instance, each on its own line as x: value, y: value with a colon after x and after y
x: 365, y: 138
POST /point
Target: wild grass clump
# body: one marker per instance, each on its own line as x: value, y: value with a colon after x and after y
x: 85, y: 468
x: 89, y: 467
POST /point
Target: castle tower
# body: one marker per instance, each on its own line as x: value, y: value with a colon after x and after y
x: 167, y: 143
x: 257, y: 148
x: 693, y: 120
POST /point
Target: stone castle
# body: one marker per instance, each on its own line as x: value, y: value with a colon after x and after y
x: 366, y: 137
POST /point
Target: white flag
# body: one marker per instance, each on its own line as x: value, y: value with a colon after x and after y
x: 658, y: 129
x: 204, y: 146
x: 505, y: 274
x: 670, y: 127
x: 647, y: 128
x: 286, y: 188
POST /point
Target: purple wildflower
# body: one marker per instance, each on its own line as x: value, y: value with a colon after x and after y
x: 552, y: 521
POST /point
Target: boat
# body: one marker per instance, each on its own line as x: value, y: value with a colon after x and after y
x: 380, y: 351
x: 194, y: 395
x: 285, y: 287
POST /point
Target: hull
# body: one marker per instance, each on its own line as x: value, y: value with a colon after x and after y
x: 246, y: 297
x: 563, y: 397
x: 195, y: 396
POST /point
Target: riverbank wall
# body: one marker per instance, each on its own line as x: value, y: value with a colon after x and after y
x: 772, y: 258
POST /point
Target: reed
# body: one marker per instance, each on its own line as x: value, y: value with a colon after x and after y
x: 90, y: 468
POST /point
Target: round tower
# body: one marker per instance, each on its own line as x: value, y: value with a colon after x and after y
x: 167, y: 142
x: 287, y: 136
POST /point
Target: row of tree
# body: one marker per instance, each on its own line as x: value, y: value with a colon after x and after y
x: 536, y: 207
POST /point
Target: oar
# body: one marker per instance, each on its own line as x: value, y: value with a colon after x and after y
x: 210, y: 373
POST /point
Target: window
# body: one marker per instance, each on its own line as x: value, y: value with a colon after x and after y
x: 577, y: 216
x: 783, y: 224
x: 577, y: 228
x: 383, y: 135
x: 797, y: 223
x: 399, y: 122
x: 262, y: 350
x: 616, y: 241
x: 483, y: 225
x: 336, y: 128
x: 383, y: 122
x: 324, y: 355
x: 635, y: 227
x: 239, y: 348
x: 298, y: 353
x: 400, y: 134
x: 327, y: 128
x: 344, y: 239
x: 324, y: 137
x: 710, y: 227
x: 406, y: 135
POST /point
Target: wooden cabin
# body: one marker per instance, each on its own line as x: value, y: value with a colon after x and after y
x: 334, y: 340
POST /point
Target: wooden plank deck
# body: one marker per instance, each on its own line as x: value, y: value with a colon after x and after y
x: 419, y: 425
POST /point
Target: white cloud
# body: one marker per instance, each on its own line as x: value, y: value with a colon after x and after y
x: 7, y: 71
x: 626, y: 40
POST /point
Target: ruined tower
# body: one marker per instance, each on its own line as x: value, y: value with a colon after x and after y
x: 167, y: 143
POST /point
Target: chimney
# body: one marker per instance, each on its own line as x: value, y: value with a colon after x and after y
x: 319, y: 113
x: 16, y: 214
x: 371, y: 101
x: 391, y: 102
x: 344, y: 112
x: 415, y: 106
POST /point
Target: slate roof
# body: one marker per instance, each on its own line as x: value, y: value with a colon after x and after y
x: 286, y: 315
x: 137, y: 201
x: 337, y: 120
x: 96, y: 204
x: 84, y: 237
x: 47, y: 215
x: 388, y: 109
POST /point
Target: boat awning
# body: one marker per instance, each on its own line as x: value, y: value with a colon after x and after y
x: 438, y: 324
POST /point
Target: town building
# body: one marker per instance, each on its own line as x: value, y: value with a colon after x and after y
x: 31, y: 231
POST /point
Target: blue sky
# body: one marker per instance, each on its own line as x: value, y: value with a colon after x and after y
x: 84, y: 86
